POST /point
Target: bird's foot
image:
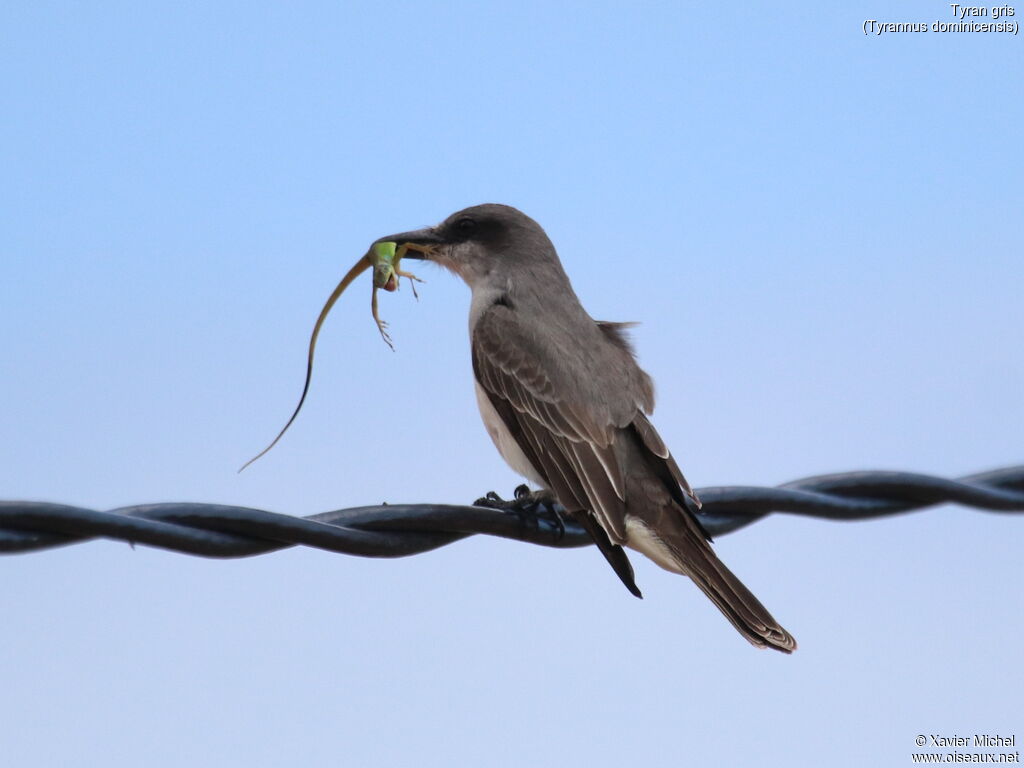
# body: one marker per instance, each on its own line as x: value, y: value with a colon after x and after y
x: 530, y: 506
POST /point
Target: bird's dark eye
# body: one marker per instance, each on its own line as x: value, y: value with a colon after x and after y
x: 466, y: 225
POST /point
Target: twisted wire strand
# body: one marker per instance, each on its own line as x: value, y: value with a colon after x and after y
x: 399, y: 530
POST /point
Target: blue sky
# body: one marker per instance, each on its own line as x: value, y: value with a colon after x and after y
x: 819, y: 232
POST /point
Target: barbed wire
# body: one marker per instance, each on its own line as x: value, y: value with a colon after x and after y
x: 398, y: 530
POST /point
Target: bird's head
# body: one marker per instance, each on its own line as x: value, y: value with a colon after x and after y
x: 479, y: 241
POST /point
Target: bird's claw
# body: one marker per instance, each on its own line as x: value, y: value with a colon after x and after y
x: 491, y: 500
x: 530, y: 506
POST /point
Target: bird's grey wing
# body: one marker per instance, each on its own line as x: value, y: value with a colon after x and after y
x: 566, y: 435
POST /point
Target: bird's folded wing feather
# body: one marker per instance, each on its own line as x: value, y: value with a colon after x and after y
x: 566, y: 435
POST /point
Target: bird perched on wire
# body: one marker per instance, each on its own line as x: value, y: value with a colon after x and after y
x: 566, y: 405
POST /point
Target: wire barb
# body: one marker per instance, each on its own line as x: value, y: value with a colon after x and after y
x: 399, y: 530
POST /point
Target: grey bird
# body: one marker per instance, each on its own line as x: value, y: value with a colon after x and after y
x: 566, y: 405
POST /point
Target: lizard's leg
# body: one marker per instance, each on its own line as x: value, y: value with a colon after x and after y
x: 412, y: 277
x: 402, y: 250
x: 381, y: 325
x: 426, y: 250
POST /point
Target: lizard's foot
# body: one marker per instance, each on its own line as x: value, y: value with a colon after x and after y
x: 530, y: 506
x: 382, y: 326
x: 412, y: 281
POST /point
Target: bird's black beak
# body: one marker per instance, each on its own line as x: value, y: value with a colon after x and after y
x: 427, y: 238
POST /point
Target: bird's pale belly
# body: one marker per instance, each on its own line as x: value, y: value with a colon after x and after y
x: 503, y: 440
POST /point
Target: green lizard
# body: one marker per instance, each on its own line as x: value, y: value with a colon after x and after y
x: 385, y: 259
x: 386, y: 274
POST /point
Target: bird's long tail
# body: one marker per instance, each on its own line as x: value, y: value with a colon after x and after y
x: 679, y: 546
x: 734, y: 600
x: 741, y: 607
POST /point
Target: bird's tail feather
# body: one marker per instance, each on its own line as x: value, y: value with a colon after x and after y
x: 733, y: 599
x: 677, y: 544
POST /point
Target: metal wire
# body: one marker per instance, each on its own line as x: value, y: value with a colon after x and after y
x: 214, y: 530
